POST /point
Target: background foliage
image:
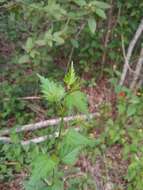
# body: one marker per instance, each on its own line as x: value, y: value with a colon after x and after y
x: 45, y: 37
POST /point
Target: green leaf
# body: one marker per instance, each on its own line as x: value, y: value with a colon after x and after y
x: 75, y: 138
x: 57, y: 38
x: 131, y: 110
x: 71, y: 157
x: 48, y: 38
x: 80, y: 2
x: 33, y: 53
x: 52, y: 91
x: 75, y: 43
x: 58, y: 185
x: 100, y: 13
x: 101, y: 5
x: 29, y: 44
x: 70, y: 77
x: 40, y: 42
x: 92, y: 24
x: 121, y: 108
x: 72, y: 144
x: 42, y: 167
x: 23, y: 59
x: 76, y: 101
x: 133, y: 170
x: 54, y: 10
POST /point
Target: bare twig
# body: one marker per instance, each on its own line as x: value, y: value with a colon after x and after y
x: 80, y: 174
x: 124, y: 55
x: 130, y: 50
x: 44, y: 124
x: 25, y: 98
x: 137, y: 70
x: 5, y: 139
x: 27, y: 142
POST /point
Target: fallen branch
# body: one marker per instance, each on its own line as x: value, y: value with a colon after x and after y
x: 25, y: 98
x: 27, y: 142
x: 7, y: 140
x: 44, y: 124
x: 130, y: 50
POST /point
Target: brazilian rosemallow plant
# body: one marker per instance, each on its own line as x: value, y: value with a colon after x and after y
x: 48, y: 167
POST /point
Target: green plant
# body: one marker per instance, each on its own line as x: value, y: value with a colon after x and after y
x: 47, y: 167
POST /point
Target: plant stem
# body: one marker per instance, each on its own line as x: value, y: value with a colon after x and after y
x: 61, y: 127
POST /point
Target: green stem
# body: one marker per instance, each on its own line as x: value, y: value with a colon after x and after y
x: 61, y: 127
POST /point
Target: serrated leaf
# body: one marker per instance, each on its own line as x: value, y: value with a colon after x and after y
x: 70, y: 77
x: 75, y: 138
x: 71, y: 146
x: 42, y: 167
x: 52, y: 91
x: 76, y: 101
x: 71, y: 157
x: 100, y: 13
x: 92, y: 24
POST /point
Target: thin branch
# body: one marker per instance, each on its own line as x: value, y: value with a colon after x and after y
x: 124, y: 55
x: 27, y: 142
x: 37, y: 140
x: 137, y: 70
x: 25, y: 98
x: 5, y: 139
x: 44, y: 124
x: 130, y: 50
x: 80, y: 174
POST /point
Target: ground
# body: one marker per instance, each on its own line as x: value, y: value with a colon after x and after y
x: 107, y: 171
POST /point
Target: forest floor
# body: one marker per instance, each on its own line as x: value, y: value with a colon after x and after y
x: 108, y: 170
